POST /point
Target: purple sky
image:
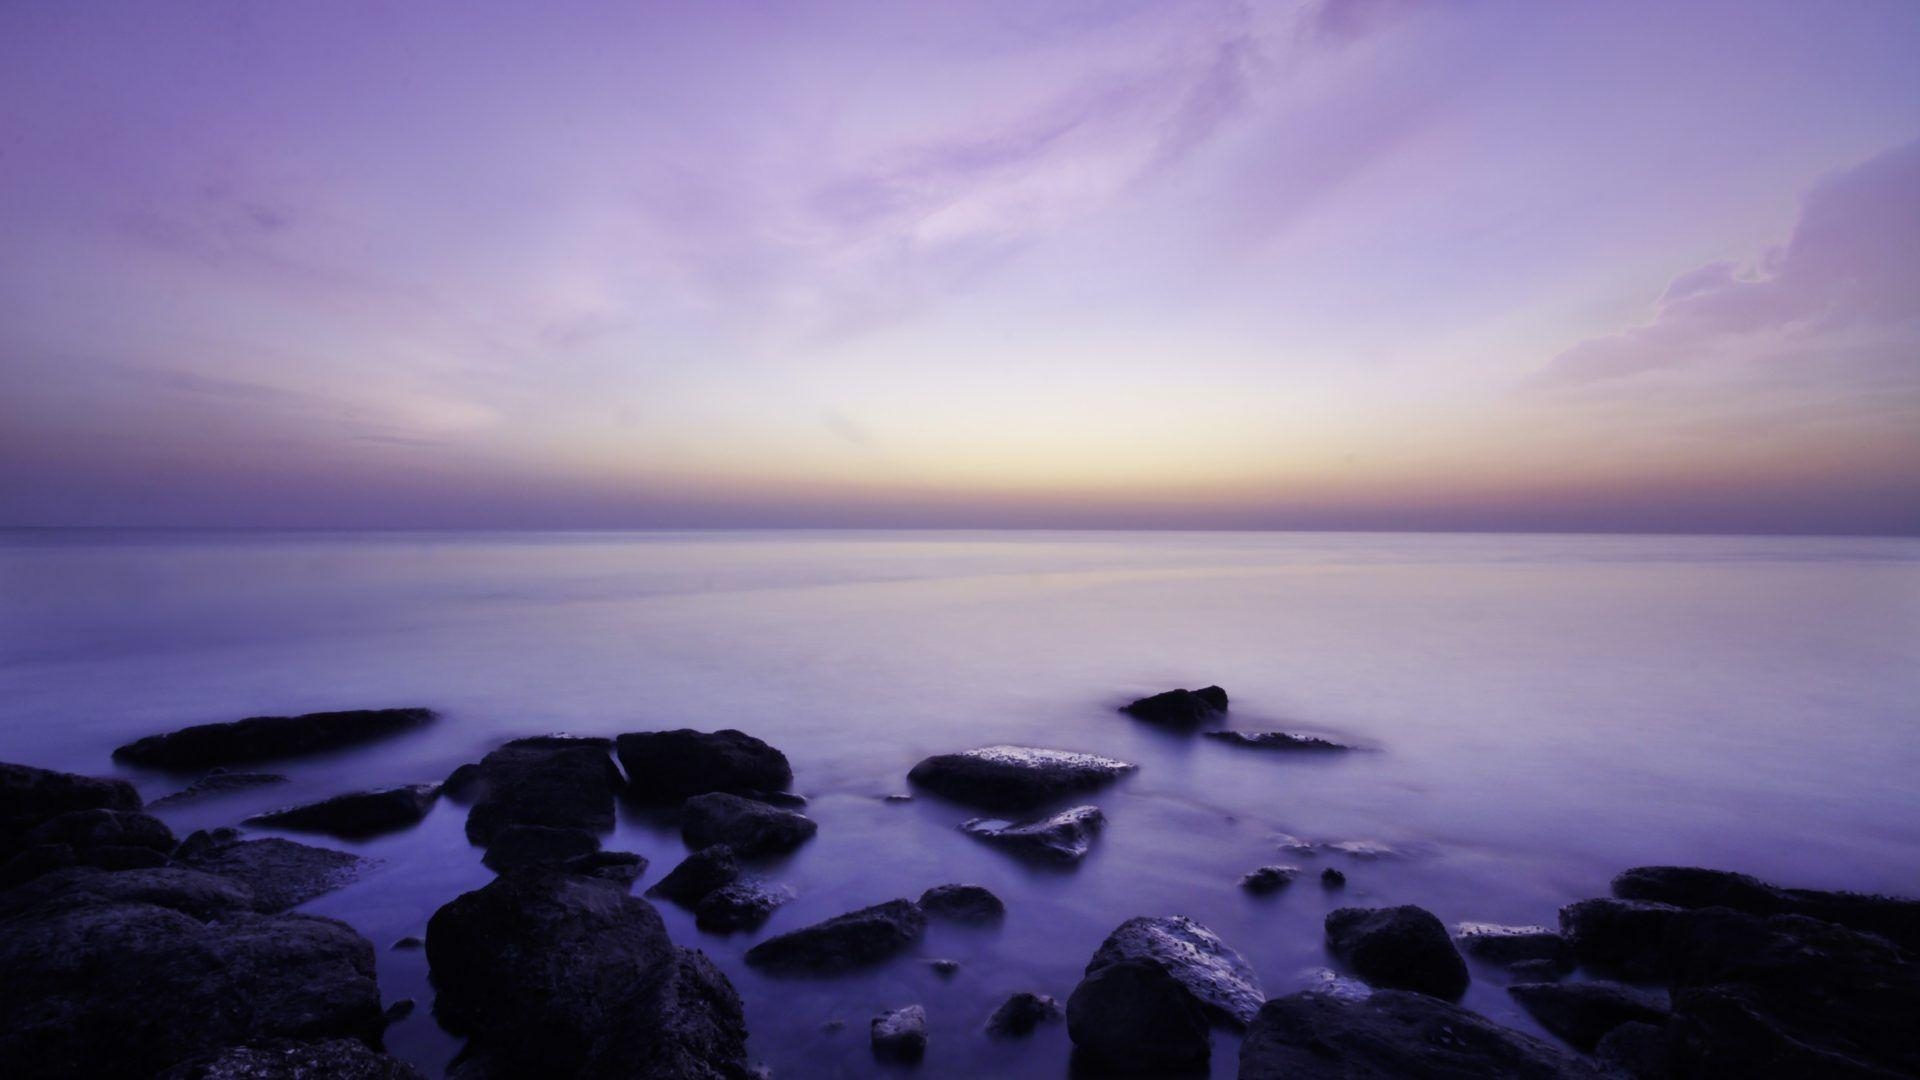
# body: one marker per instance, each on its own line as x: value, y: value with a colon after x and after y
x: 1366, y: 264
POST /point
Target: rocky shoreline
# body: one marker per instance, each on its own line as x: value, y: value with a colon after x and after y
x: 129, y: 952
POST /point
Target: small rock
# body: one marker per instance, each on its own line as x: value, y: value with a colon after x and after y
x: 963, y: 903
x: 844, y: 942
x: 742, y: 904
x: 1498, y: 944
x: 399, y: 1010
x: 1180, y: 708
x: 259, y: 738
x: 1014, y: 777
x: 519, y: 846
x: 29, y: 796
x: 1218, y: 979
x: 749, y: 828
x: 944, y: 967
x: 1021, y: 1013
x: 1065, y: 837
x: 667, y: 767
x: 1269, y: 879
x: 1583, y: 1012
x: 281, y: 873
x: 621, y: 868
x: 219, y: 782
x: 83, y: 829
x: 1276, y: 740
x: 409, y: 942
x: 900, y: 1035
x: 1133, y: 1017
x: 1620, y: 937
x: 697, y: 875
x: 1333, y: 879
x: 1398, y: 948
x: 359, y: 814
x: 1393, y: 1034
x: 1536, y: 971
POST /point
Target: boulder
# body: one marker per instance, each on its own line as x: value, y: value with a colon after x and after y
x: 1619, y: 937
x: 558, y: 781
x: 1583, y: 1012
x: 963, y: 903
x: 843, y: 942
x: 668, y: 767
x: 280, y: 873
x: 190, y: 892
x: 1636, y: 1050
x: 1536, y: 971
x: 1509, y: 945
x: 1398, y: 948
x: 1219, y: 980
x: 900, y: 1035
x: 697, y: 875
x: 1276, y: 740
x: 1133, y: 1017
x: 552, y: 974
x: 283, y: 1059
x: 219, y: 782
x: 748, y: 827
x: 259, y: 738
x: 1392, y: 1035
x: 944, y: 968
x: 81, y: 829
x: 621, y: 868
x: 1021, y: 1013
x: 518, y: 846
x: 1181, y: 708
x: 1268, y: 879
x: 1065, y: 837
x: 1331, y: 878
x: 1895, y: 918
x: 29, y: 796
x: 358, y: 814
x: 1014, y: 777
x: 742, y: 904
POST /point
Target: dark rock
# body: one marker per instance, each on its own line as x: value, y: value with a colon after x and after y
x: 944, y: 967
x: 1393, y: 1035
x: 557, y: 781
x: 1021, y: 1013
x: 843, y: 942
x: 1014, y: 777
x: 399, y: 1010
x: 409, y: 942
x: 896, y: 798
x: 518, y: 846
x: 562, y: 975
x: 30, y: 796
x: 361, y: 813
x: 742, y: 904
x: 1583, y: 1012
x: 697, y: 875
x: 667, y: 767
x: 46, y: 858
x: 219, y: 782
x: 1269, y: 879
x: 1333, y: 879
x: 749, y: 828
x: 1398, y: 948
x: 284, y: 1059
x: 621, y: 868
x: 1133, y: 1017
x: 259, y: 738
x: 1276, y: 740
x: 463, y: 784
x: 963, y: 903
x: 1895, y: 918
x: 786, y: 800
x: 1636, y: 1050
x: 1536, y: 971
x: 900, y: 1035
x: 1181, y: 708
x: 103, y: 828
x: 1619, y: 937
x: 1510, y: 945
x: 1065, y: 837
x: 1219, y: 980
x: 280, y: 873
x: 201, y: 896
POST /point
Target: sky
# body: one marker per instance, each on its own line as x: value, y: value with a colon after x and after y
x: 1327, y: 264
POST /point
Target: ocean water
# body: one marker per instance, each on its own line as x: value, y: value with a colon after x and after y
x: 1538, y: 713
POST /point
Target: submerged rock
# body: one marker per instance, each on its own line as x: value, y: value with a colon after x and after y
x: 1510, y: 945
x: 742, y: 904
x: 963, y: 903
x: 900, y: 1035
x: 259, y: 738
x: 280, y: 873
x: 1021, y: 1013
x: 286, y: 1059
x: 1398, y: 948
x: 1065, y: 837
x: 667, y: 767
x: 519, y: 846
x: 1181, y: 708
x: 1269, y: 879
x: 697, y: 875
x: 843, y: 942
x: 357, y: 814
x: 1014, y: 777
x: 1133, y: 1017
x: 1583, y: 1012
x: 553, y: 780
x: 219, y: 782
x: 1276, y: 740
x: 1391, y: 1035
x: 748, y: 827
x: 1895, y: 918
x: 1218, y: 979
x: 30, y: 796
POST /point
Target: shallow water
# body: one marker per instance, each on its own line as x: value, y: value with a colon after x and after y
x: 1540, y: 713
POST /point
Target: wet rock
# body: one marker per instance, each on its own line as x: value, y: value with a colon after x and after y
x: 786, y: 800
x: 843, y: 942
x: 1181, y: 708
x: 1392, y: 1035
x: 409, y: 942
x: 621, y: 868
x: 463, y: 784
x: 1014, y: 777
x: 557, y: 781
x: 1636, y: 1050
x: 43, y: 859
x: 1536, y: 971
x: 1276, y: 740
x: 219, y: 782
x: 103, y: 828
x: 519, y: 846
x: 30, y: 796
x: 1497, y: 944
x: 697, y: 875
x: 1332, y: 879
x: 562, y: 975
x: 1269, y: 879
x: 749, y: 828
x: 285, y: 1059
x: 1218, y: 979
x: 1333, y: 984
x: 281, y: 873
x: 963, y: 903
x: 1895, y: 918
x: 742, y: 904
x: 668, y: 767
x: 259, y: 738
x: 1133, y: 1017
x: 945, y: 968
x: 900, y: 1035
x: 896, y: 798
x: 1021, y: 1013
x: 399, y: 1010
x: 1398, y: 948
x: 1583, y: 1012
x: 1065, y: 837
x: 1619, y: 937
x: 358, y: 814
x: 127, y: 974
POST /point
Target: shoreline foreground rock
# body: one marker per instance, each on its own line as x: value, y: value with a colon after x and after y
x: 668, y: 767
x: 263, y: 738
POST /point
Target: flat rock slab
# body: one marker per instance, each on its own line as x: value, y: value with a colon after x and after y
x: 558, y: 781
x: 357, y: 814
x: 744, y: 825
x: 1183, y: 709
x: 1021, y: 1013
x: 1061, y: 838
x: 1276, y: 740
x: 1498, y: 944
x: 963, y: 903
x: 1895, y: 918
x: 667, y: 767
x: 1015, y: 777
x: 1584, y: 1012
x: 1218, y: 979
x: 1398, y: 948
x: 219, y: 782
x: 261, y: 738
x: 843, y: 942
x: 281, y: 873
x: 1392, y: 1035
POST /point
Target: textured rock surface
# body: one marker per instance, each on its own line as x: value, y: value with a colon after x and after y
x: 260, y: 738
x: 1181, y: 708
x: 963, y: 903
x: 1583, y: 1012
x: 1021, y: 1013
x: 219, y: 782
x: 1619, y: 937
x: 280, y: 1059
x: 1134, y: 1018
x: 552, y: 780
x: 1398, y: 948
x: 1895, y: 918
x: 1065, y: 837
x: 1218, y: 979
x: 845, y: 941
x: 280, y: 873
x: 356, y: 814
x: 1497, y: 944
x: 697, y: 875
x: 1269, y: 879
x: 1275, y: 740
x: 667, y: 767
x: 1014, y: 777
x: 519, y: 846
x: 748, y: 827
x: 1393, y: 1035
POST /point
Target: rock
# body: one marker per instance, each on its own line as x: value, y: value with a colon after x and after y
x: 46, y: 858
x: 30, y: 796
x: 900, y: 1035
x: 1133, y: 1017
x: 1065, y: 837
x: 281, y: 873
x: 259, y: 738
x: 1181, y: 708
x: 786, y: 800
x: 1637, y: 1050
x: 963, y: 903
x: 896, y: 798
x: 1392, y: 1035
x: 1333, y: 984
x: 1269, y: 879
x: 668, y: 767
x: 219, y: 782
x: 560, y: 975
x: 1332, y: 879
x: 1583, y: 1012
x: 1619, y: 937
x: 1219, y: 980
x: 1276, y: 740
x: 1510, y: 945
x: 1536, y: 971
x: 621, y: 868
x: 409, y: 942
x: 944, y: 968
x: 399, y: 1011
x: 742, y: 904
x: 697, y: 875
x: 464, y: 783
x: 1895, y: 918
x: 557, y: 781
x: 285, y: 1059
x: 103, y: 828
x: 749, y: 828
x: 127, y: 974
x: 1021, y: 1013
x: 1014, y: 777
x: 359, y: 814
x: 519, y: 846
x: 1398, y: 948
x: 843, y: 942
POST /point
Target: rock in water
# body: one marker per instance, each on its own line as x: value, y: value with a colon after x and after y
x: 621, y: 868
x: 1333, y: 879
x: 697, y: 875
x: 845, y: 941
x: 1181, y: 708
x: 900, y: 1035
x: 1219, y: 980
x: 667, y: 767
x: 519, y: 846
x: 358, y: 814
x: 1582, y: 1013
x: 1620, y: 937
x: 30, y: 796
x: 1065, y: 837
x: 561, y: 975
x: 1392, y: 1035
x: 283, y: 1059
x: 259, y: 738
x: 558, y: 781
x: 1021, y: 1013
x: 219, y: 782
x: 1398, y: 948
x: 962, y: 903
x: 1014, y: 777
x: 739, y: 905
x: 1895, y: 918
x: 103, y: 839
x: 1133, y: 1017
x: 748, y: 827
x: 1269, y: 879
x: 1498, y: 944
x: 1275, y: 740
x: 280, y: 873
